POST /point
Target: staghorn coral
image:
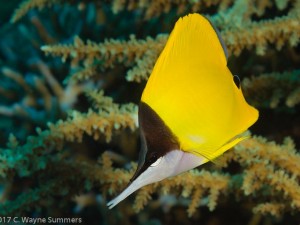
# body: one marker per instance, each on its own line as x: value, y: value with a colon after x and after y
x: 108, y: 118
x: 149, y: 8
x: 142, y: 54
x: 110, y: 52
x: 272, y: 88
x: 87, y: 148
x: 41, y: 98
x: 26, y: 6
x: 269, y: 160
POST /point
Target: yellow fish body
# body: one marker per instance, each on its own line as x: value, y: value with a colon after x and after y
x: 191, y: 109
x: 193, y: 91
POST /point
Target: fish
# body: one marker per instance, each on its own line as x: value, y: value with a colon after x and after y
x: 192, y: 109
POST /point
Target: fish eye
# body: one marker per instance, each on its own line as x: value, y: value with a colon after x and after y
x: 152, y: 158
x: 237, y: 81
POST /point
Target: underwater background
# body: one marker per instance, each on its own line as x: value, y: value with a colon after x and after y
x: 72, y: 73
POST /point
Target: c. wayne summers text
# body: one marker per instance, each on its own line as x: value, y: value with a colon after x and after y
x: 39, y: 220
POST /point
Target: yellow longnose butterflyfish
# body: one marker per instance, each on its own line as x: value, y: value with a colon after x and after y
x: 192, y: 109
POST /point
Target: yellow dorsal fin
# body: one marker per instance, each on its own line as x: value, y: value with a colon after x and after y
x: 193, y: 33
x: 193, y: 39
x: 220, y: 39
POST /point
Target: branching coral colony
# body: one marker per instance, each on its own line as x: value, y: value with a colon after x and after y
x: 265, y: 177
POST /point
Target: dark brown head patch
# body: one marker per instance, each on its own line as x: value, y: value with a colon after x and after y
x: 156, y: 138
x: 158, y: 135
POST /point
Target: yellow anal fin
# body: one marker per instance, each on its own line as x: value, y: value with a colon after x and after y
x: 212, y: 155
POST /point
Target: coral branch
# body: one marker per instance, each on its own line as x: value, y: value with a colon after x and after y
x: 110, y: 51
x: 17, y: 77
x: 142, y: 54
x: 149, y: 8
x: 279, y: 31
x: 27, y: 5
x: 274, y: 209
x: 104, y: 122
x: 268, y: 90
